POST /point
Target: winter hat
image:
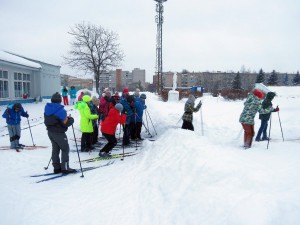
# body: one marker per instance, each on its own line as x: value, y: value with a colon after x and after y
x: 125, y: 90
x: 116, y: 96
x: 258, y: 93
x: 95, y: 101
x: 56, y: 98
x: 130, y: 99
x: 86, y: 98
x: 137, y: 92
x: 119, y: 107
x: 143, y: 96
x: 17, y: 106
x: 191, y: 99
x: 270, y: 95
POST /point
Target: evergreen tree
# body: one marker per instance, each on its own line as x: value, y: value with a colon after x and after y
x: 260, y: 77
x: 236, y: 83
x: 273, y: 79
x: 286, y: 80
x: 296, y: 80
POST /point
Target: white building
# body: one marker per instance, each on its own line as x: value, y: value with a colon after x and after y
x: 20, y: 75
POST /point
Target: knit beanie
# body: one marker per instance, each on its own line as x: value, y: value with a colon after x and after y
x: 143, y: 96
x: 56, y: 98
x: 258, y: 93
x: 86, y: 98
x: 125, y: 90
x: 119, y: 107
x: 191, y: 99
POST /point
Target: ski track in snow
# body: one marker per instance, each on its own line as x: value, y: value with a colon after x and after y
x: 182, y: 178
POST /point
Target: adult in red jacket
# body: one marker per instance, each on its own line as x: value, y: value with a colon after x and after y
x: 109, y: 126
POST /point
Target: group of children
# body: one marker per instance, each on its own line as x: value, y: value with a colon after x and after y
x: 253, y: 105
x: 108, y: 111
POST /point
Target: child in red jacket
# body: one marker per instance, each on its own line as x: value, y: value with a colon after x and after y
x: 109, y: 126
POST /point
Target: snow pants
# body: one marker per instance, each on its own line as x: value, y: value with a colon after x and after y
x: 66, y: 100
x: 187, y: 125
x: 248, y: 134
x: 59, y: 143
x: 112, y: 142
x: 135, y: 130
x: 14, y: 132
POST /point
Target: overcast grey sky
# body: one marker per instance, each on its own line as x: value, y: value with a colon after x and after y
x: 198, y: 35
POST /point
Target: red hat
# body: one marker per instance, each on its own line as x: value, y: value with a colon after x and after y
x: 258, y: 93
x: 125, y: 90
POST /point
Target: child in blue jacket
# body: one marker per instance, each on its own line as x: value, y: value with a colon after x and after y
x: 13, y: 115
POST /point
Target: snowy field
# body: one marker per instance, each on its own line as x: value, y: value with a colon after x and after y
x: 203, y: 177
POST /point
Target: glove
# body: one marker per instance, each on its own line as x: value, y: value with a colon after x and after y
x: 199, y: 104
x: 26, y: 115
x: 277, y: 109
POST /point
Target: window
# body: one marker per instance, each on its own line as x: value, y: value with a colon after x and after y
x: 22, y: 84
x: 3, y: 84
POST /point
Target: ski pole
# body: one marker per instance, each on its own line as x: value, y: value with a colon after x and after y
x: 280, y: 126
x: 179, y: 120
x: 48, y: 164
x: 269, y: 131
x: 30, y: 131
x: 77, y: 151
x: 151, y: 122
x: 147, y: 130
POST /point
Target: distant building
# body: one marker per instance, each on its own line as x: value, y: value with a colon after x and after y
x: 23, y: 79
x: 212, y: 81
x: 118, y: 79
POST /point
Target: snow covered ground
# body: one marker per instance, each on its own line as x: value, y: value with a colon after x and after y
x: 202, y: 177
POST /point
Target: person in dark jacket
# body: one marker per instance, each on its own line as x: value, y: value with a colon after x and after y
x: 137, y: 118
x: 189, y: 109
x: 266, y: 104
x: 127, y: 101
x: 13, y: 115
x: 109, y: 126
x: 57, y: 123
x: 94, y: 111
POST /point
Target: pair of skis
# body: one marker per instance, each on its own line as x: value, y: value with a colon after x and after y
x: 53, y: 176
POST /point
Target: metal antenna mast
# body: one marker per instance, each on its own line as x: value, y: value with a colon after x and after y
x: 159, y: 20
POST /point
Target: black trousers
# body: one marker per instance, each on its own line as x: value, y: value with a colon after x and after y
x: 95, y: 135
x: 59, y: 143
x: 187, y: 125
x: 135, y: 130
x: 86, y: 141
x: 126, y: 134
x: 112, y: 142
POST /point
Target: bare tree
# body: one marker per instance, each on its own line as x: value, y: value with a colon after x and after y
x: 93, y: 49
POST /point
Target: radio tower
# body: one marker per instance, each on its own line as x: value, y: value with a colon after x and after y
x: 158, y: 64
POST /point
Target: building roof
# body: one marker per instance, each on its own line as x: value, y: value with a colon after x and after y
x: 7, y: 57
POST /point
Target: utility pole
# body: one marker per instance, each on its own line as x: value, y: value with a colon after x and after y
x: 159, y: 62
